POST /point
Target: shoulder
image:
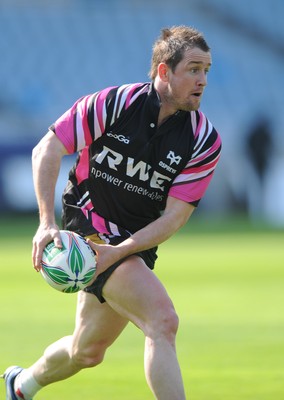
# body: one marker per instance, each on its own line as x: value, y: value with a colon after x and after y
x: 203, y: 129
x: 126, y: 94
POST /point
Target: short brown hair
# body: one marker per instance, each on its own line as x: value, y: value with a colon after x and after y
x: 171, y: 45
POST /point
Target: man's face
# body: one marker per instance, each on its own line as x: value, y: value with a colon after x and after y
x: 186, y: 84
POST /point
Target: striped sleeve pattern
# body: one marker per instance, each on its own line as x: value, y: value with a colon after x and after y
x: 191, y: 184
x: 86, y: 120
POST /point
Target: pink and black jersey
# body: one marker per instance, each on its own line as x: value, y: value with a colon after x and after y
x: 128, y: 165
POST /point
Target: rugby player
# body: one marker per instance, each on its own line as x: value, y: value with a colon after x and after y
x: 146, y: 155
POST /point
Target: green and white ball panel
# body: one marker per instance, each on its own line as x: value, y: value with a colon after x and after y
x: 70, y: 268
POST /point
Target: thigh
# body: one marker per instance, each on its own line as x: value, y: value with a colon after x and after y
x: 96, y: 324
x: 135, y: 292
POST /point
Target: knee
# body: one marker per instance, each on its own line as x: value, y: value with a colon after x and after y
x: 87, y: 357
x: 166, y: 324
x: 171, y: 323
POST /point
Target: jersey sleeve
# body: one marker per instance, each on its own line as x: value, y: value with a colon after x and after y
x: 83, y: 123
x: 191, y: 184
x: 90, y: 116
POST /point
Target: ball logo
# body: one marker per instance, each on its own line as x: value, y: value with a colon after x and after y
x: 51, y: 251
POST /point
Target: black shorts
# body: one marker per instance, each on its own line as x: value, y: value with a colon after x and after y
x: 96, y: 288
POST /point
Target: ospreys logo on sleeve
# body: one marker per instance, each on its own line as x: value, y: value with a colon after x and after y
x: 173, y: 158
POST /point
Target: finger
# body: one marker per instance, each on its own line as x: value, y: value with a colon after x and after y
x: 93, y: 245
x: 37, y: 257
x: 57, y: 240
x: 34, y: 251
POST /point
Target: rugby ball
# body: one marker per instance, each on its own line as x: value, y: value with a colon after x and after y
x: 70, y: 268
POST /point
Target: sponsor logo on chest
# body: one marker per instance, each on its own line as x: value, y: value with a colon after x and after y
x: 140, y: 170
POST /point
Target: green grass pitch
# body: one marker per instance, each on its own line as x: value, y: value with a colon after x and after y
x: 227, y: 285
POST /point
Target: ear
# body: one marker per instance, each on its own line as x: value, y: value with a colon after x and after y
x: 163, y: 70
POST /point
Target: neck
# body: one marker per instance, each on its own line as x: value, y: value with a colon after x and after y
x: 166, y: 109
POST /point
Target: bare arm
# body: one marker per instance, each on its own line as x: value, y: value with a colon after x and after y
x: 176, y: 214
x: 46, y: 161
